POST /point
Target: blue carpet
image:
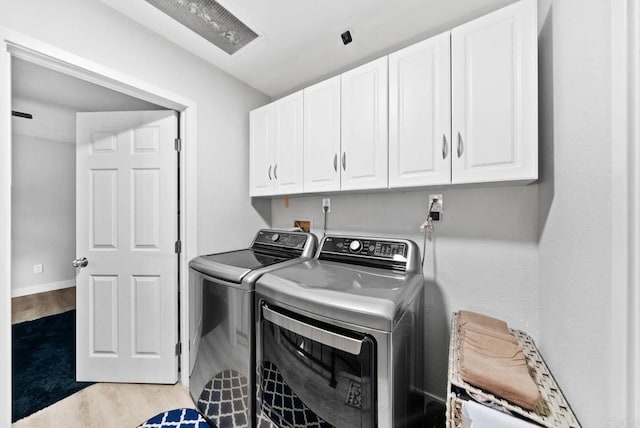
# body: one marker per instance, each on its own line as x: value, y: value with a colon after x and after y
x: 44, y: 363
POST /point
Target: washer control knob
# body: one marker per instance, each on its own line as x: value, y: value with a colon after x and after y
x: 355, y: 246
x: 275, y: 237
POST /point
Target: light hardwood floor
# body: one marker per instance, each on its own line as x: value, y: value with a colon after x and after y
x: 34, y: 306
x: 102, y: 404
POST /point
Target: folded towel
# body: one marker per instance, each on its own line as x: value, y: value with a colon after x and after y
x: 465, y: 317
x: 491, y: 359
x: 505, y: 377
x: 475, y: 330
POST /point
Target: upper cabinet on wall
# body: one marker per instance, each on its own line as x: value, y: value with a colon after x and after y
x: 420, y: 114
x: 276, y: 147
x: 322, y: 153
x: 460, y: 107
x: 261, y: 151
x: 494, y: 96
x: 364, y: 126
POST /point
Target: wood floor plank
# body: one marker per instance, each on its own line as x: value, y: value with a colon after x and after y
x: 34, y: 306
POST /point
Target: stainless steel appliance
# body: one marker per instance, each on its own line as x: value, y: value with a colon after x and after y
x: 339, y: 336
x: 222, y: 337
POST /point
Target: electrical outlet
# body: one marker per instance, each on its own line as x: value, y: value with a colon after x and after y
x: 37, y: 268
x: 437, y: 209
x: 326, y: 205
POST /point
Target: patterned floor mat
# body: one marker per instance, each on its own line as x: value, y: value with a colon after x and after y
x: 177, y: 418
x: 224, y: 400
x: 281, y: 405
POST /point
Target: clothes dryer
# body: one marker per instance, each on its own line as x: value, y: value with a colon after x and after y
x: 340, y: 336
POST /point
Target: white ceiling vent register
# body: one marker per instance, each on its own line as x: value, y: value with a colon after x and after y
x: 209, y: 19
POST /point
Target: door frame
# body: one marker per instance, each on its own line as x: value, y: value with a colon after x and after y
x: 624, y: 386
x: 14, y: 44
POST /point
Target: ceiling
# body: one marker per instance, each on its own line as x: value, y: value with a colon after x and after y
x: 299, y: 41
x: 33, y: 82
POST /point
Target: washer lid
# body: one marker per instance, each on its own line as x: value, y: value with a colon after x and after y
x: 363, y: 296
x: 234, y: 265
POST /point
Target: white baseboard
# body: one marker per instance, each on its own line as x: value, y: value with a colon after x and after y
x: 41, y: 288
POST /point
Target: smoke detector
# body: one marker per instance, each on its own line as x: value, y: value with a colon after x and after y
x: 209, y: 19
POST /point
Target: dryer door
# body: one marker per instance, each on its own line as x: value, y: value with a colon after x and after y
x: 314, y: 373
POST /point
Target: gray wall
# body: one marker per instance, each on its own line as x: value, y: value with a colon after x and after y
x: 43, y: 211
x: 575, y: 187
x: 482, y: 256
x: 43, y: 195
x: 538, y: 256
x: 226, y: 216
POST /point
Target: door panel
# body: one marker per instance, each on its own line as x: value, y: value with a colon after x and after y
x: 126, y: 217
x: 364, y: 126
x: 322, y: 136
x: 103, y: 205
x: 287, y: 170
x: 261, y: 148
x: 420, y: 114
x: 494, y: 96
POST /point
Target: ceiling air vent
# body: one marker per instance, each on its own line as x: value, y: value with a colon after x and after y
x: 210, y: 20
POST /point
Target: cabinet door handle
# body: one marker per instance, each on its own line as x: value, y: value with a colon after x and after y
x: 335, y: 162
x: 269, y: 172
x: 275, y: 172
x: 445, y: 147
x: 344, y: 161
x: 460, y: 145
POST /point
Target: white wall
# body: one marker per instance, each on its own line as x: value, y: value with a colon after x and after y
x: 226, y: 216
x: 43, y: 208
x: 483, y: 255
x: 575, y: 215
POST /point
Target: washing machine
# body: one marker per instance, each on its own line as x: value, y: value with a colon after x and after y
x: 222, y: 335
x: 339, y: 337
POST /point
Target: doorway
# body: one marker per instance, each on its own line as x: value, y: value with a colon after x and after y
x: 45, y: 150
x: 15, y: 46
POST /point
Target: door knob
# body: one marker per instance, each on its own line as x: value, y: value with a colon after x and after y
x: 80, y: 263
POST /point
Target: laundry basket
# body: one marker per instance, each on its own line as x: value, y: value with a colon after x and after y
x: 552, y: 411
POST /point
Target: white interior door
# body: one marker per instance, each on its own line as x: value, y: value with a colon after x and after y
x: 126, y: 196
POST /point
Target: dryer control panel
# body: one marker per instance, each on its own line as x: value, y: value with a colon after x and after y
x: 365, y: 247
x: 375, y: 252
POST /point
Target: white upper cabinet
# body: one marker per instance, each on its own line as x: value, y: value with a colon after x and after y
x: 494, y: 96
x: 420, y: 114
x: 322, y: 136
x: 261, y: 151
x: 364, y: 127
x: 288, y: 148
x: 460, y: 107
x: 276, y: 147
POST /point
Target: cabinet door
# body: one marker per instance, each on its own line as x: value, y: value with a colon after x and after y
x: 420, y: 114
x: 364, y: 127
x: 494, y: 96
x: 261, y: 151
x: 287, y: 169
x: 322, y: 136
